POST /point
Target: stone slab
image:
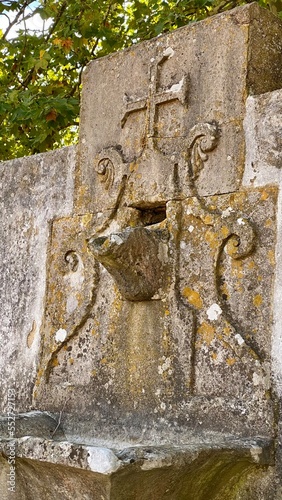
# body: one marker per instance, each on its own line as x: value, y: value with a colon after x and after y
x: 190, y: 357
x: 34, y: 190
x: 135, y: 131
x: 263, y: 128
x: 214, y: 464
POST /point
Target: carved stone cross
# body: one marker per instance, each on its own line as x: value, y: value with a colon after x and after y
x: 156, y: 97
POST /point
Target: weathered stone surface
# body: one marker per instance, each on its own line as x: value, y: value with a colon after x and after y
x: 263, y: 127
x: 146, y: 308
x: 192, y: 356
x: 212, y: 469
x: 36, y: 423
x: 135, y: 132
x: 33, y: 191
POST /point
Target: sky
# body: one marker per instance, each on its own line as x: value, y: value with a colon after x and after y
x: 35, y: 23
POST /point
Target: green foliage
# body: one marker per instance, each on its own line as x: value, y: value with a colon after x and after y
x: 41, y: 68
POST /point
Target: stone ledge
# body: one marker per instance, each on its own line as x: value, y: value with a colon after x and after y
x: 211, y: 468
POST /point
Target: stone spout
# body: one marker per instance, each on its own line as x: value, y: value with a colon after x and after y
x: 136, y: 258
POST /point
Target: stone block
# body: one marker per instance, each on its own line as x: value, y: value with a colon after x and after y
x: 135, y: 131
x: 34, y: 190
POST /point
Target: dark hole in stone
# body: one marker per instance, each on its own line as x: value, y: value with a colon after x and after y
x: 154, y: 215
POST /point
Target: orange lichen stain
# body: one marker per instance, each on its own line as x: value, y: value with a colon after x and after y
x: 227, y: 330
x: 85, y: 219
x: 71, y: 361
x: 31, y: 335
x: 192, y: 297
x: 208, y: 219
x: 212, y: 239
x: 207, y: 332
x: 230, y: 361
x: 257, y: 300
x: 264, y: 195
x: 133, y: 166
x: 237, y: 269
x: 271, y: 257
x: 55, y: 362
x: 224, y: 231
x: 268, y: 223
x: 213, y: 207
x: 39, y: 376
x: 224, y: 290
x: 240, y: 199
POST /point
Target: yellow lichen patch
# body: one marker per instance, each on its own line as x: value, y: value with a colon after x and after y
x: 212, y: 239
x: 207, y: 332
x: 224, y: 290
x: 85, y: 219
x: 237, y: 268
x: 264, y: 195
x: 71, y: 361
x: 257, y: 300
x: 93, y: 373
x: 227, y: 330
x: 271, y: 257
x: 208, y: 219
x: 103, y: 361
x: 133, y: 166
x: 224, y: 231
x: 251, y: 264
x: 167, y: 312
x: 230, y: 361
x: 214, y: 355
x: 268, y: 223
x: 55, y: 362
x: 192, y: 297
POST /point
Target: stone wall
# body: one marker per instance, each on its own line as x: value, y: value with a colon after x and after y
x: 142, y: 288
x: 34, y: 191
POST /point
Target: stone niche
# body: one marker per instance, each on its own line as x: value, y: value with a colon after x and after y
x: 154, y: 375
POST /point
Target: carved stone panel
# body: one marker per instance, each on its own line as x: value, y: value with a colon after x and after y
x: 162, y: 88
x: 147, y: 320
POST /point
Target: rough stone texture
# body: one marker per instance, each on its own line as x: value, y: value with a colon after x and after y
x: 145, y: 124
x: 34, y: 190
x: 214, y: 469
x: 158, y: 369
x: 263, y: 125
x: 189, y: 357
